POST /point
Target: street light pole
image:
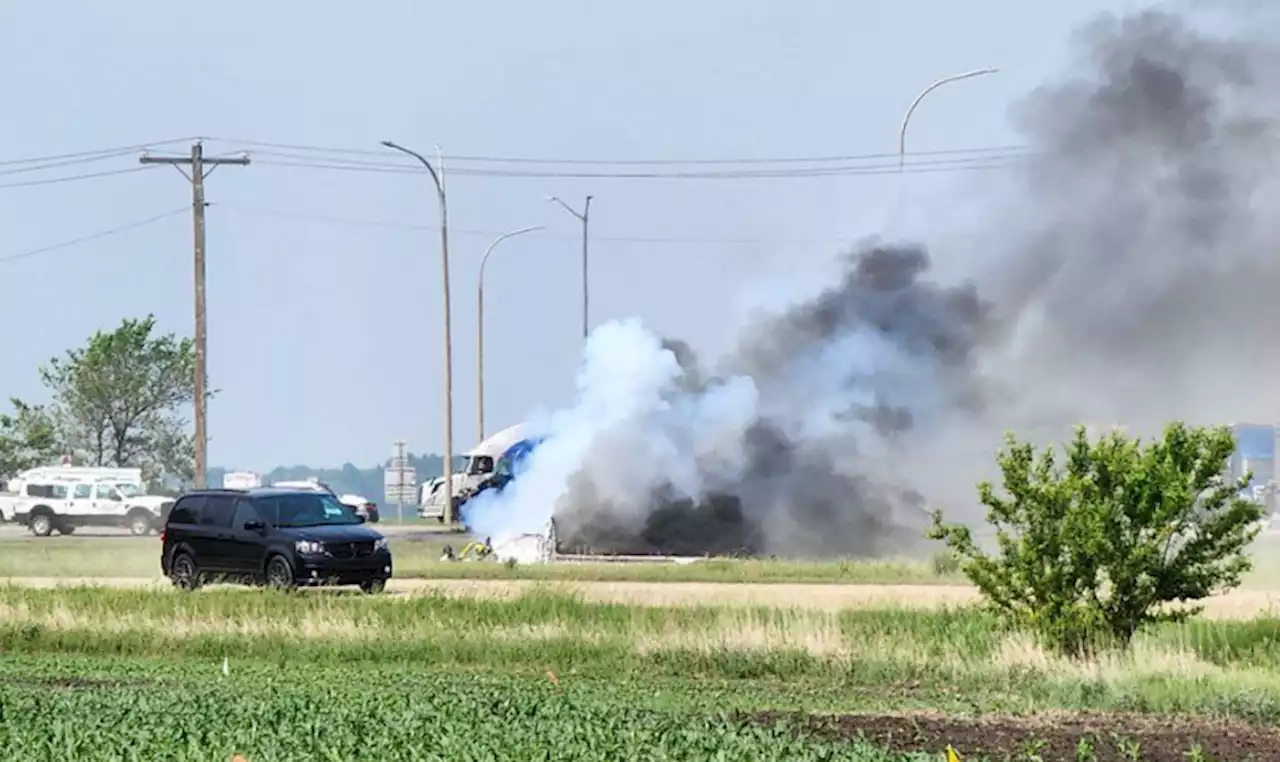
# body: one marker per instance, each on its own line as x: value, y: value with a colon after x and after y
x: 584, y: 217
x: 438, y: 179
x: 902, y: 132
x: 480, y: 327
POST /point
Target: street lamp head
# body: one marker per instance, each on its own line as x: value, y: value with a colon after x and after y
x: 388, y: 144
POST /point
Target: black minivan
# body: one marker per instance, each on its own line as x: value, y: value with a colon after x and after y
x: 279, y: 537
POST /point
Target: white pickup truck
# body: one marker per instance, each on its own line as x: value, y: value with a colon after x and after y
x: 63, y: 499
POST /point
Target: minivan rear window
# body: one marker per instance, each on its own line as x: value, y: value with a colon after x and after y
x: 187, y: 510
x: 218, y: 510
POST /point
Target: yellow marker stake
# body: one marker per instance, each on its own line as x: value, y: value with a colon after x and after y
x: 952, y: 754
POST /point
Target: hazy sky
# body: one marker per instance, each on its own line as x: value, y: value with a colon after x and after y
x: 325, y: 335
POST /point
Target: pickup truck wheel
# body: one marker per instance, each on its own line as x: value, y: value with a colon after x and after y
x: 41, y: 524
x: 184, y: 572
x: 139, y: 523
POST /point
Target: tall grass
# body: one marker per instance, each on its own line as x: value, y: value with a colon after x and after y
x: 949, y: 654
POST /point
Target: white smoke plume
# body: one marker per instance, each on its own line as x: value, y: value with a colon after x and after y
x: 781, y: 451
x: 1136, y: 280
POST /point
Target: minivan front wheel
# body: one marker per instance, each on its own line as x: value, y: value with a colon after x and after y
x: 373, y: 586
x: 280, y: 573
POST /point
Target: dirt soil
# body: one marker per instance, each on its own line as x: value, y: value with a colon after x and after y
x: 1051, y: 737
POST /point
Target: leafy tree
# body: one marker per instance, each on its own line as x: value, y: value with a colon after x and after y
x: 119, y: 400
x: 28, y: 438
x: 1092, y: 547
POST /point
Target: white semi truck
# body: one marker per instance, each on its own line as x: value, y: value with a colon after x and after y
x: 480, y: 462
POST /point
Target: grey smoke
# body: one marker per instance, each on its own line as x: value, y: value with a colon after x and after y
x: 1147, y: 287
x: 1135, y: 280
x: 838, y: 377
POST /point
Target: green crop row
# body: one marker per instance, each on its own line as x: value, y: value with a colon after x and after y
x: 349, y: 714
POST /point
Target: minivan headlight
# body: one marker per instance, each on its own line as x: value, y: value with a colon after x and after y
x: 309, y: 547
x: 379, y: 544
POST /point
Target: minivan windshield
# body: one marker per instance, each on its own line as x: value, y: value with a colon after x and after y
x: 307, y: 510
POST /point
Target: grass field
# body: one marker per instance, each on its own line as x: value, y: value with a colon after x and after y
x: 420, y: 558
x: 137, y: 674
x: 417, y: 557
x: 833, y: 660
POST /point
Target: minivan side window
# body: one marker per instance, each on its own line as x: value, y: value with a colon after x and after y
x: 244, y: 512
x: 218, y: 511
x: 187, y: 510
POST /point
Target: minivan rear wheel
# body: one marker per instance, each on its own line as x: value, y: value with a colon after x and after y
x: 184, y: 572
x: 373, y: 586
x: 280, y: 573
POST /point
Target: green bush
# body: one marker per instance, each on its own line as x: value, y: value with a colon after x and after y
x: 944, y: 563
x: 1092, y: 547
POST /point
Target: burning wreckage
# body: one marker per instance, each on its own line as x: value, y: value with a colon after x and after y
x: 716, y: 527
x: 787, y: 449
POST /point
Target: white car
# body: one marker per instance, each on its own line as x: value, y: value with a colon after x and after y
x: 362, y: 506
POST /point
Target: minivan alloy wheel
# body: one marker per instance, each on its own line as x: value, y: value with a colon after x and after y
x: 280, y: 573
x: 184, y: 572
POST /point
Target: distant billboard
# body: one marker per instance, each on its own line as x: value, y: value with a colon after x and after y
x: 1255, y: 441
x: 1255, y: 454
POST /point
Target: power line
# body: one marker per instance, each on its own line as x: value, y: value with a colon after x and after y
x: 940, y: 167
x: 119, y: 150
x: 73, y: 178
x: 634, y: 162
x: 545, y: 236
x: 93, y: 236
x: 388, y: 164
x: 63, y: 163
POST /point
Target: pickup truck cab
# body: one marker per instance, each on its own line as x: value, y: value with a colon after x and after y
x: 63, y: 507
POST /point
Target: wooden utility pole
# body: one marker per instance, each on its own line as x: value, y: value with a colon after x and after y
x: 198, y: 164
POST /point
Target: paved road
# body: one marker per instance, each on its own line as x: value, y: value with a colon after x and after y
x: 16, y: 532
